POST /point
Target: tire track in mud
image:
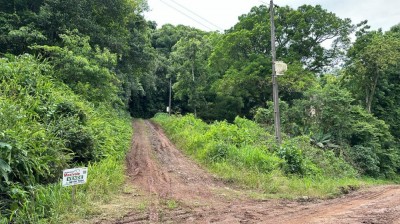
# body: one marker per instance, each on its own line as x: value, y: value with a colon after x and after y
x: 164, y: 173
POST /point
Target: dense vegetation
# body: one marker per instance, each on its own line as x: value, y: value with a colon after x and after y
x: 45, y: 127
x: 244, y: 153
x: 71, y: 71
x: 61, y: 106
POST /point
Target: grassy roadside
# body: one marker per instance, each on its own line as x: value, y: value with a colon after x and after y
x: 244, y: 154
x: 44, y: 128
x: 53, y: 203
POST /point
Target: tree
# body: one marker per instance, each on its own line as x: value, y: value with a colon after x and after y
x: 162, y: 71
x: 387, y: 94
x: 190, y: 64
x: 329, y: 115
x: 300, y: 34
x: 87, y: 70
x: 241, y: 56
x: 370, y: 58
x: 18, y: 25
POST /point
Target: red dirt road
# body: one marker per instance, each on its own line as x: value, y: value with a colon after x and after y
x: 168, y: 176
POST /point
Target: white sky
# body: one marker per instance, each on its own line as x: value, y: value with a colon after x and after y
x: 223, y: 14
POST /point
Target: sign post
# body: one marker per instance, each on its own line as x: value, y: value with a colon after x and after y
x: 73, y: 177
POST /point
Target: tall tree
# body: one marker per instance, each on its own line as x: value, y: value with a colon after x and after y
x: 242, y: 54
x: 370, y: 58
x: 163, y: 40
x: 300, y: 34
x: 190, y: 64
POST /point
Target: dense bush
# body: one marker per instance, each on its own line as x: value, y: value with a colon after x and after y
x: 294, y: 159
x: 339, y: 125
x: 87, y: 70
x: 246, y: 145
x: 244, y: 153
x: 45, y: 128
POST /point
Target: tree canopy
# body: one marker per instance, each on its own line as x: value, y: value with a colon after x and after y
x: 68, y: 68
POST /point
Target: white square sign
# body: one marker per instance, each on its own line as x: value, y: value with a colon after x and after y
x: 74, y: 176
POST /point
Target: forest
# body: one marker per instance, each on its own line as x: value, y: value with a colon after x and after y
x: 74, y: 73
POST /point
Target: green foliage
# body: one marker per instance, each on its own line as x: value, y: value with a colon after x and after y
x: 301, y: 32
x: 370, y: 133
x: 246, y: 148
x: 331, y: 106
x: 378, y: 61
x: 86, y: 58
x: 293, y: 158
x: 239, y: 57
x: 265, y: 116
x: 45, y: 128
x: 328, y: 115
x: 217, y: 151
x: 242, y: 143
x: 365, y: 159
x: 372, y: 55
x: 189, y: 63
x: 86, y: 70
x: 323, y: 161
x: 100, y: 55
x: 4, y: 166
x: 36, y: 153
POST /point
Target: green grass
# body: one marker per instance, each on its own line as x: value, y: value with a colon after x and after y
x: 276, y: 184
x: 245, y: 155
x: 53, y: 203
x: 171, y: 204
x: 45, y: 128
x: 42, y: 124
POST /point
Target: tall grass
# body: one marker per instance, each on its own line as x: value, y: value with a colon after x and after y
x: 53, y: 203
x: 45, y: 128
x: 245, y: 154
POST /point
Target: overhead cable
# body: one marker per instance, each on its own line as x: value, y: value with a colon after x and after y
x: 194, y: 13
x: 188, y: 16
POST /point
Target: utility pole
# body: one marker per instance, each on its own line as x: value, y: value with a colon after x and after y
x: 170, y: 96
x: 277, y: 116
x: 194, y: 85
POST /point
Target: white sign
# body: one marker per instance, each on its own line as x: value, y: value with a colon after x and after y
x: 74, y: 176
x: 281, y: 67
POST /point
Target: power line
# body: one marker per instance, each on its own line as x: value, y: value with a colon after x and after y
x: 199, y: 16
x: 186, y: 15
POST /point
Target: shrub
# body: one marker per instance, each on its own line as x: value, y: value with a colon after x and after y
x: 217, y: 151
x: 45, y: 128
x: 244, y: 153
x: 365, y: 160
x: 294, y: 160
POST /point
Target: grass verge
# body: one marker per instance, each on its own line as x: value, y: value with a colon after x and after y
x: 245, y: 155
x: 53, y: 203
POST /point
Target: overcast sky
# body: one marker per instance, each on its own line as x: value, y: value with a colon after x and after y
x: 223, y: 14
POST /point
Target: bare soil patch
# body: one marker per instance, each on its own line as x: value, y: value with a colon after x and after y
x: 177, y: 190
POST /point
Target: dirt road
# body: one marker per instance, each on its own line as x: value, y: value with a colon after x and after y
x: 180, y: 191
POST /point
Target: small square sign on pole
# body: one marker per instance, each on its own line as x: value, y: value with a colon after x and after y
x: 74, y: 176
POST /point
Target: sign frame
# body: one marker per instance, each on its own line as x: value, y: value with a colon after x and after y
x: 74, y: 176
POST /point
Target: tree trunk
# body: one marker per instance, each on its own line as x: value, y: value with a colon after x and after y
x: 370, y: 97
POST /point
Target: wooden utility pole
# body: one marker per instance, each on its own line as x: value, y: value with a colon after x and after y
x: 277, y: 116
x: 194, y: 85
x: 170, y: 96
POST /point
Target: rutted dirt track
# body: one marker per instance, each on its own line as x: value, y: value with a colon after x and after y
x: 165, y: 174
